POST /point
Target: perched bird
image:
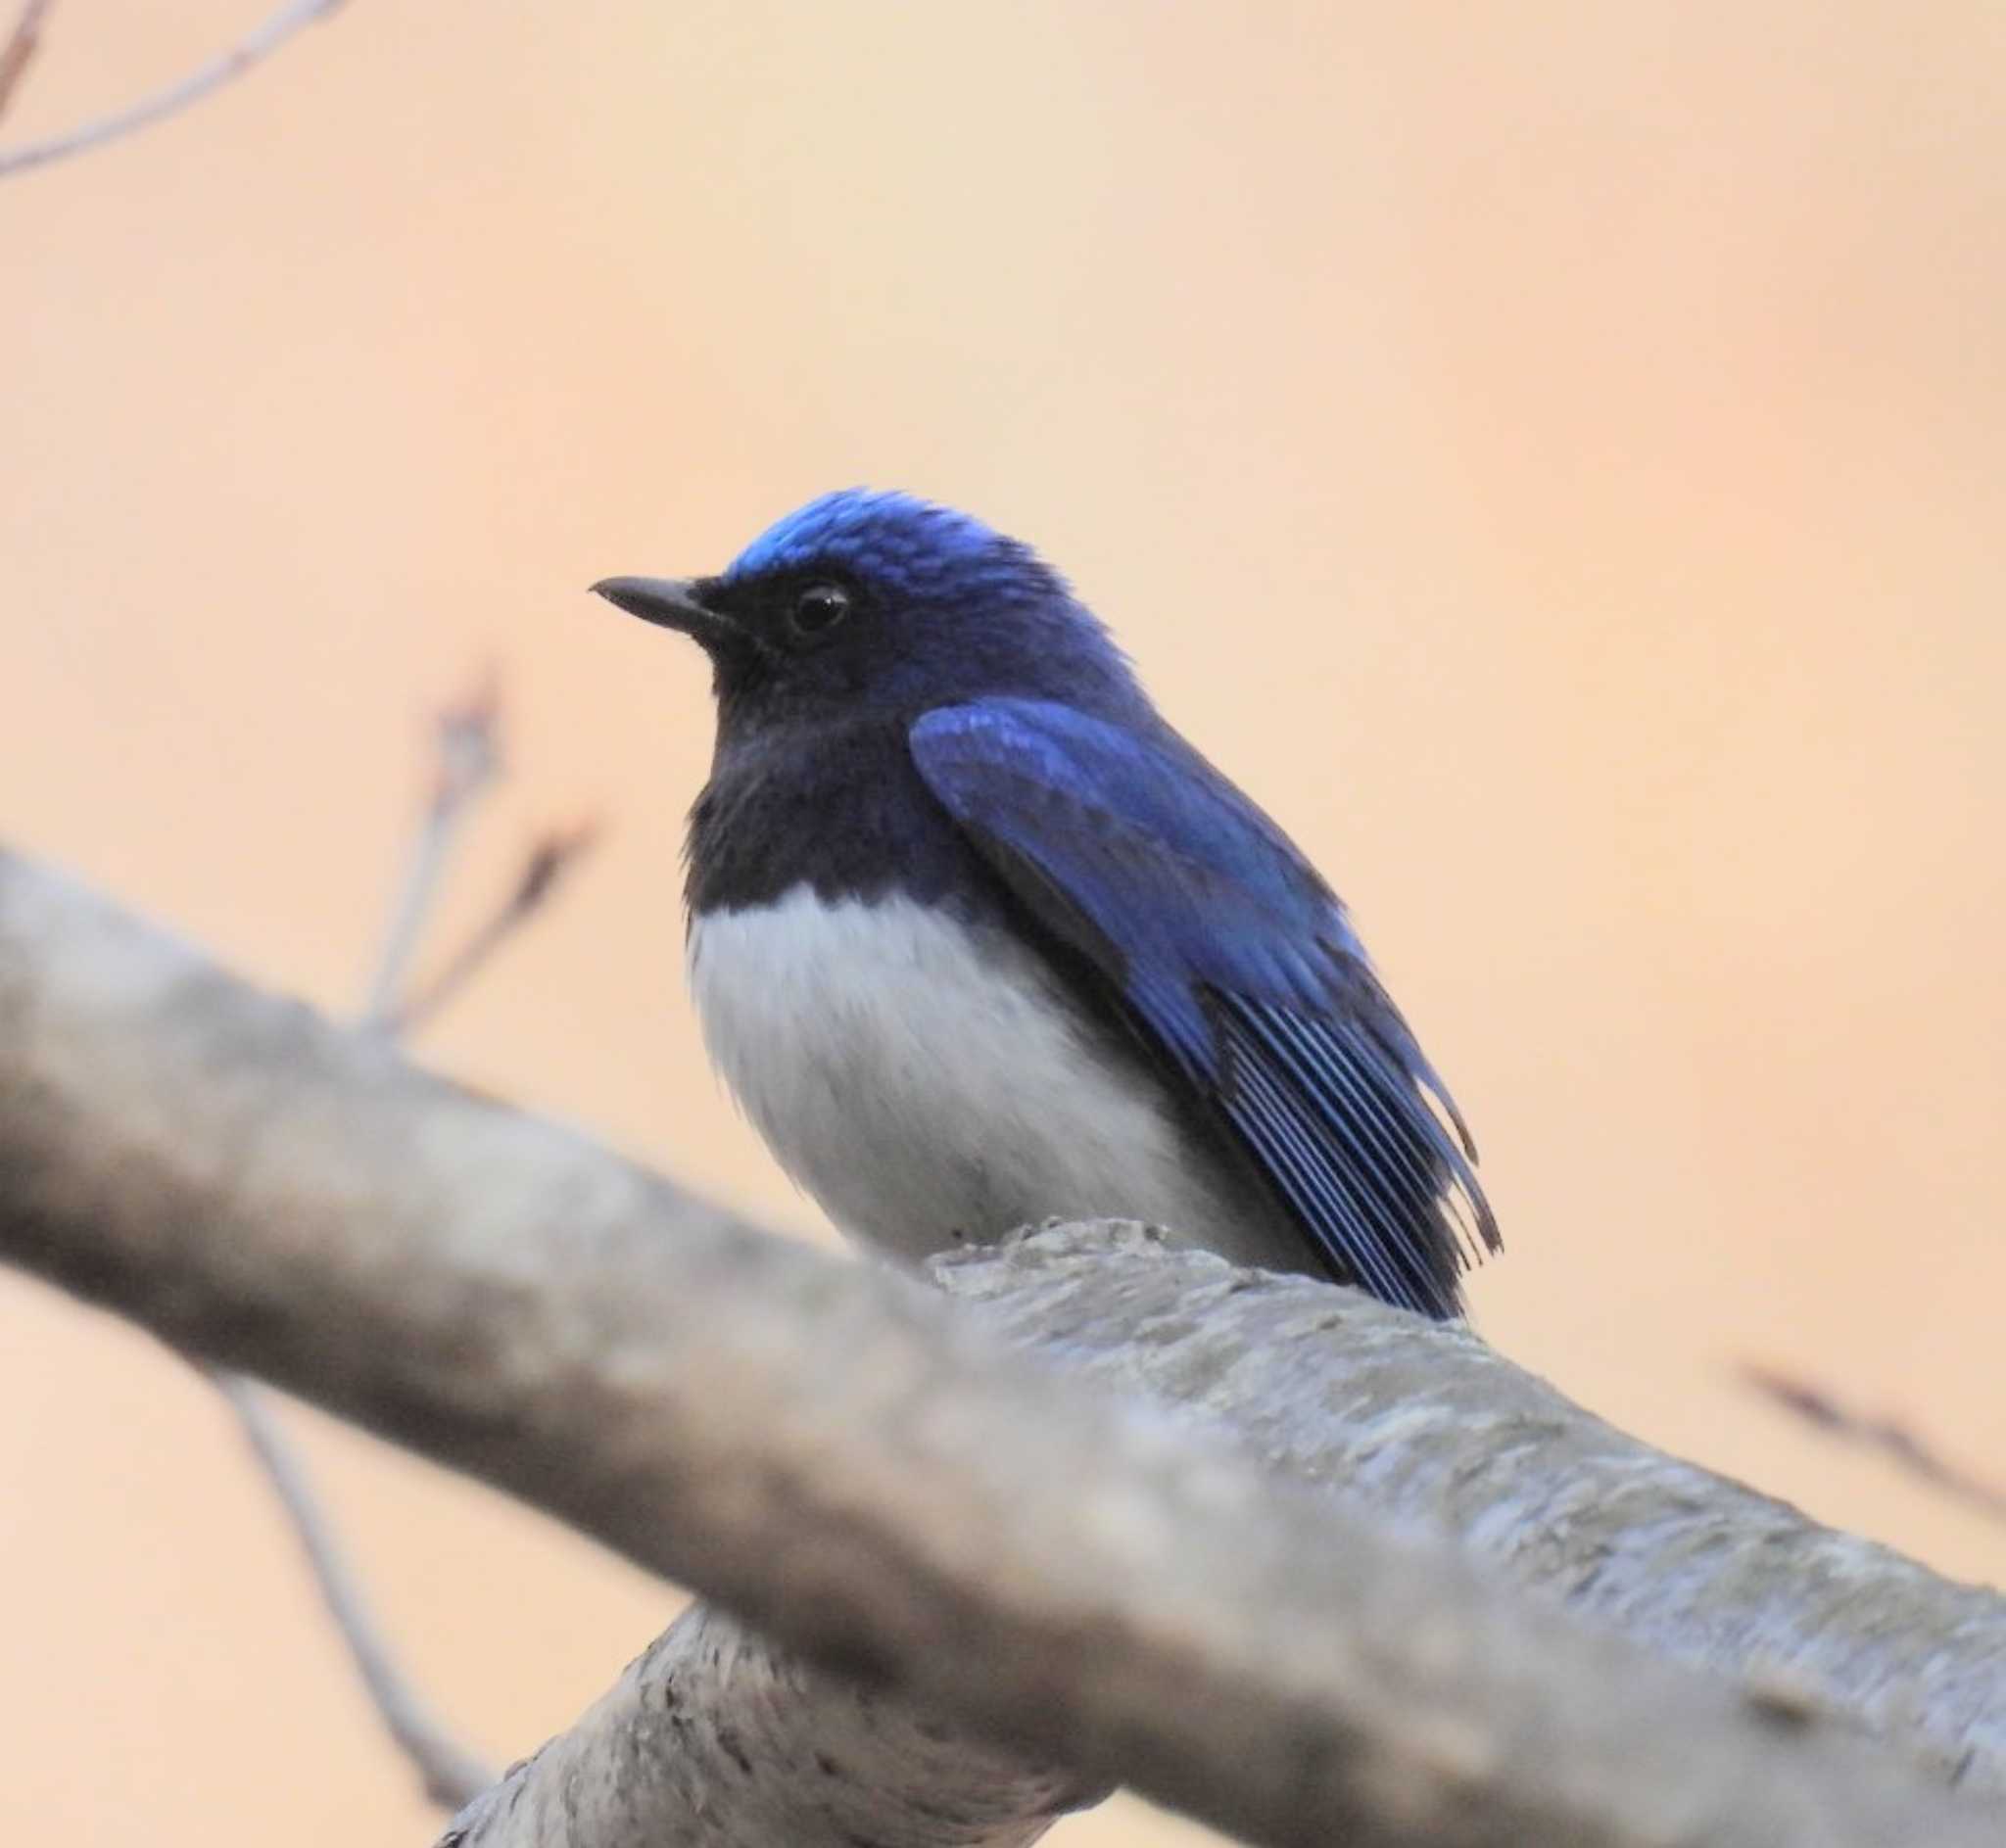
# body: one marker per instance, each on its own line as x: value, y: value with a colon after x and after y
x: 977, y: 938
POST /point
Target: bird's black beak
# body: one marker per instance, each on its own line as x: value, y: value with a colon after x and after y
x: 670, y: 603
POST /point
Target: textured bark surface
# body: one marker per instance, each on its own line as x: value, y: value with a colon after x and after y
x: 1004, y: 1547
x: 716, y: 1738
x: 1446, y: 1436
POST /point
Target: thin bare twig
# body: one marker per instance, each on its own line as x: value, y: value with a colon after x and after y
x: 253, y: 49
x: 468, y: 742
x: 550, y: 859
x: 20, y: 49
x: 1900, y: 1442
x: 452, y: 1777
x: 469, y: 748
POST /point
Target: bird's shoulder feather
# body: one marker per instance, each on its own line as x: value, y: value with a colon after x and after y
x: 1236, y: 967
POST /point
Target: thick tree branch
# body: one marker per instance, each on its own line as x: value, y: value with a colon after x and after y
x: 832, y: 1452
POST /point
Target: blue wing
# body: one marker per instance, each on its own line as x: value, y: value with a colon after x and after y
x: 1218, y: 943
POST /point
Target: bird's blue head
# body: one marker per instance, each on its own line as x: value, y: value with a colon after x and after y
x: 880, y: 604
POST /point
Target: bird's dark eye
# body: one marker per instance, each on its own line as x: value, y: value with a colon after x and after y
x: 820, y: 607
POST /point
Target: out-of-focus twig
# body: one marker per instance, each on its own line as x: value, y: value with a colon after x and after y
x: 452, y: 1775
x: 470, y: 759
x: 253, y: 48
x: 467, y: 742
x: 1906, y: 1446
x: 20, y: 48
x: 550, y: 859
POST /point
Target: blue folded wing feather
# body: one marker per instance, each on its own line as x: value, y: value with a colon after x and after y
x: 1236, y: 965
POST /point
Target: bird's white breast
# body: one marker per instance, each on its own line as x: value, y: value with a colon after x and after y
x: 927, y: 1084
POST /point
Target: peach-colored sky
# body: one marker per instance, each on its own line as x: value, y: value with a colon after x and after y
x: 1549, y: 454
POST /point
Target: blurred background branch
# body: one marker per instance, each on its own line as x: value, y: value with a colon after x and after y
x: 1908, y: 1449
x: 18, y: 49
x: 550, y: 860
x: 251, y: 49
x: 468, y: 759
x: 448, y: 1772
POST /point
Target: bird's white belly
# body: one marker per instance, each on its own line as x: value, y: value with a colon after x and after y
x: 927, y: 1086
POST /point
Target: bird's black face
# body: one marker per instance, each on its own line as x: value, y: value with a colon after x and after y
x: 786, y: 617
x: 878, y: 606
x: 793, y: 614
x: 783, y: 638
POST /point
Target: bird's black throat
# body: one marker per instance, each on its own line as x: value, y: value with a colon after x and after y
x: 837, y: 808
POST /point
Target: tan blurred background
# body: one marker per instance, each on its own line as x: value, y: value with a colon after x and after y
x: 1551, y: 454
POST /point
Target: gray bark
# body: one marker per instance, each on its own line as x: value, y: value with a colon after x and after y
x: 716, y: 1738
x: 995, y: 1542
x: 1433, y: 1432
